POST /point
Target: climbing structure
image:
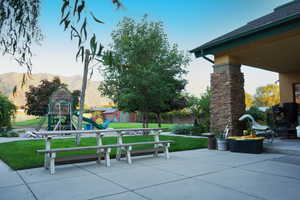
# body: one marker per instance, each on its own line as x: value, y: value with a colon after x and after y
x: 60, y: 110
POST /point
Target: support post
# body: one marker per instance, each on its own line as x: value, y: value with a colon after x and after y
x: 99, y: 143
x: 119, y: 141
x: 228, y: 98
x: 128, y: 154
x: 47, y: 155
x: 156, y: 139
x: 107, y: 157
x: 166, y: 149
x: 52, y: 163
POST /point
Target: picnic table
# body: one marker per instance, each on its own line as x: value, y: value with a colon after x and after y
x: 102, y: 150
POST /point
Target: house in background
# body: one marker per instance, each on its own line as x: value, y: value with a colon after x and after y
x: 271, y: 42
x: 115, y: 115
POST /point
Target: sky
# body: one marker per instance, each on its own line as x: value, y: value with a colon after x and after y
x: 188, y: 23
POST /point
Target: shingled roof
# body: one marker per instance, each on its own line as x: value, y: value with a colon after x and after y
x: 281, y: 14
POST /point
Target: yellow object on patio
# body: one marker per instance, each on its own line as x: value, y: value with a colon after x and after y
x: 247, y: 137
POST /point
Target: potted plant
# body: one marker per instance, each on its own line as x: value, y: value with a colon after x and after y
x: 222, y: 143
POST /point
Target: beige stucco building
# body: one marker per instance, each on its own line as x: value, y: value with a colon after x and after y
x: 271, y: 42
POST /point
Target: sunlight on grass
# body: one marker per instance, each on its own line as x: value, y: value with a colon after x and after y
x: 22, y: 154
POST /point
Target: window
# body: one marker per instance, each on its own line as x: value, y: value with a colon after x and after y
x: 296, y: 90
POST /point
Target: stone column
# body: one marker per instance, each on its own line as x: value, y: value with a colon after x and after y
x: 228, y: 98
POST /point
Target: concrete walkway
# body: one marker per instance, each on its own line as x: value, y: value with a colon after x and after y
x: 198, y: 174
x: 284, y: 146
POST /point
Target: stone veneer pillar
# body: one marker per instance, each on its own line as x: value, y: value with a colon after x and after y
x: 228, y: 98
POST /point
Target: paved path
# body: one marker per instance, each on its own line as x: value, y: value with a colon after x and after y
x: 188, y: 175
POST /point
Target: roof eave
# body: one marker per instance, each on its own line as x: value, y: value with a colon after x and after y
x: 258, y: 33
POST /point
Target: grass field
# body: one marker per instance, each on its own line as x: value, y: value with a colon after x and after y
x: 27, y: 122
x: 33, y: 123
x: 22, y: 155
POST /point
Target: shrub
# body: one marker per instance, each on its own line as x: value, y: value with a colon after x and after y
x: 7, y: 111
x: 189, y: 129
x: 183, y: 129
x: 8, y: 133
x: 202, y: 127
x: 257, y: 114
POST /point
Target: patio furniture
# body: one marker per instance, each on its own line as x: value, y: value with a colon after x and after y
x: 260, y: 130
x: 121, y: 150
x: 50, y: 154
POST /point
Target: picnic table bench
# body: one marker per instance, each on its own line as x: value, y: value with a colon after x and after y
x: 102, y: 151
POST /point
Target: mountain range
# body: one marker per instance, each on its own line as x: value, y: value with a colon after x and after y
x: 9, y: 80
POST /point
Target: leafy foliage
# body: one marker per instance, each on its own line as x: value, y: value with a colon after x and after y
x: 19, y: 29
x: 248, y: 100
x: 267, y: 95
x: 8, y: 133
x: 257, y: 114
x: 200, y: 108
x: 75, y: 17
x: 143, y: 72
x: 7, y: 112
x: 37, y: 98
x: 183, y: 129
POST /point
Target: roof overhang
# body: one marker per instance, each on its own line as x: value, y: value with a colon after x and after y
x: 263, y: 32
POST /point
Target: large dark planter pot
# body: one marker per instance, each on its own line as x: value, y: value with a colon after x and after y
x: 246, y: 146
x: 211, y: 143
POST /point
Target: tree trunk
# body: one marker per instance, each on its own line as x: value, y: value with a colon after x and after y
x: 144, y: 119
x: 158, y: 119
x: 82, y: 94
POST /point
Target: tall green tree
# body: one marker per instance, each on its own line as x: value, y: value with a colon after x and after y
x: 200, y: 108
x: 37, y: 98
x: 142, y: 71
x: 177, y: 103
x: 267, y: 95
x: 7, y: 112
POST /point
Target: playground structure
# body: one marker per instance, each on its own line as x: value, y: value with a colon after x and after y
x: 61, y: 115
x: 91, y: 122
x: 60, y: 110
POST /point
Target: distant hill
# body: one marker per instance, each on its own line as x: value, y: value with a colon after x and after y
x: 9, y: 80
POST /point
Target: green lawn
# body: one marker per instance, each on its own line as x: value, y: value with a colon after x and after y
x: 22, y: 155
x: 32, y: 123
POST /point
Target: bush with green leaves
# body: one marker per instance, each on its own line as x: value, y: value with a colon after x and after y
x: 200, y: 109
x: 257, y: 114
x: 8, y: 133
x: 189, y: 129
x: 7, y: 112
x: 202, y: 127
x: 183, y: 129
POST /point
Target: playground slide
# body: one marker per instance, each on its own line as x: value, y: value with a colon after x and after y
x: 90, y: 121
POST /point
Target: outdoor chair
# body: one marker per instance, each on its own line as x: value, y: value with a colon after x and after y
x: 260, y: 130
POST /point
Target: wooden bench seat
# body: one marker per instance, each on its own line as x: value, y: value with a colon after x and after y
x: 77, y: 159
x: 94, y: 157
x: 50, y: 154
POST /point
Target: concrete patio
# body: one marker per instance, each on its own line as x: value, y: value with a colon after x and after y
x: 284, y: 146
x: 197, y: 174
